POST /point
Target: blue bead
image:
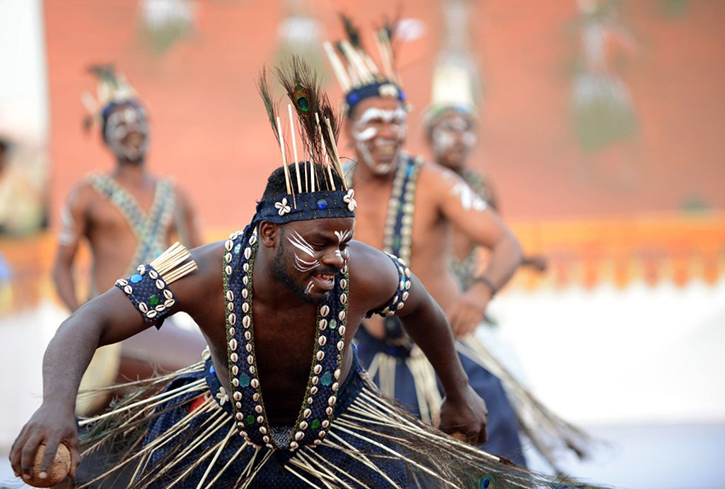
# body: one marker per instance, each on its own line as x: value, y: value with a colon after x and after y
x: 212, y: 370
x: 353, y: 97
x: 322, y: 204
x: 136, y: 278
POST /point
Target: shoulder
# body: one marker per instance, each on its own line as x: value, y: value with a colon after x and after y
x: 209, y: 257
x: 82, y: 194
x: 438, y: 180
x: 373, y: 275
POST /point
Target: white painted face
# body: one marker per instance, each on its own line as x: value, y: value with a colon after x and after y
x: 379, y: 135
x: 470, y: 200
x: 306, y: 257
x: 127, y: 133
x: 453, y: 138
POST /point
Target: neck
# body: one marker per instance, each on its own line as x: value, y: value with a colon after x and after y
x: 458, y: 168
x: 130, y: 172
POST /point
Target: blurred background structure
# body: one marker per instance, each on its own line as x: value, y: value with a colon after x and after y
x: 602, y: 127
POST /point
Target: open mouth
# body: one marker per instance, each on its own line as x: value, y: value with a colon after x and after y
x: 324, y: 281
x: 385, y: 148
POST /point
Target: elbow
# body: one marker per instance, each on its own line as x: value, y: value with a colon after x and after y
x: 56, y: 274
x: 517, y: 252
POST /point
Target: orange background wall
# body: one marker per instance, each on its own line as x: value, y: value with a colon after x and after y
x: 209, y: 128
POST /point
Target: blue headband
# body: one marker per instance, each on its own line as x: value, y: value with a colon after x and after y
x: 309, y: 206
x: 379, y: 89
x: 106, y: 110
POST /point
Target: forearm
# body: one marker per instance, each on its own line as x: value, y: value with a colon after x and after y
x: 428, y: 327
x: 65, y: 287
x: 506, y: 256
x: 67, y: 357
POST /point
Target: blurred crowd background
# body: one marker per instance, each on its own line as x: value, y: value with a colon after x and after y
x: 601, y: 129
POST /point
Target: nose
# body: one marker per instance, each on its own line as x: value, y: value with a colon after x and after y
x: 388, y: 130
x: 334, y: 259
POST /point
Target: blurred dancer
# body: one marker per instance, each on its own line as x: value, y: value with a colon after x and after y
x: 127, y: 216
x: 398, y: 190
x: 450, y: 123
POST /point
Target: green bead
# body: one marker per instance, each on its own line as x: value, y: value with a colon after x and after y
x: 315, y: 424
x: 250, y: 420
x: 244, y: 379
x: 154, y: 300
x: 333, y: 323
x: 326, y: 378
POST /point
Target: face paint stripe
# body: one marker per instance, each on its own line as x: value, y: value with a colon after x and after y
x: 300, y: 243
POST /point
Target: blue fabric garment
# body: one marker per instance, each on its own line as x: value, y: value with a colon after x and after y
x: 273, y: 472
x: 503, y: 427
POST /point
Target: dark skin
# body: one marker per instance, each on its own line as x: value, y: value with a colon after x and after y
x: 281, y: 319
x: 88, y: 215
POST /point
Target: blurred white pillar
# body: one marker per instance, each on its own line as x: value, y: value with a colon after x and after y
x: 23, y: 72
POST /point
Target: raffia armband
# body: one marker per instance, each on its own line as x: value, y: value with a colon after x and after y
x: 148, y: 288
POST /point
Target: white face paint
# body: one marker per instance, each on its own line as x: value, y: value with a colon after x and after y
x: 341, y: 237
x: 310, y: 286
x: 470, y: 200
x: 301, y: 264
x: 121, y: 123
x: 378, y: 153
x: 453, y: 134
x: 68, y: 232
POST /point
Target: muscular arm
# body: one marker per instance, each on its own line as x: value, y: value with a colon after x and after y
x: 377, y: 279
x: 73, y: 228
x: 107, y: 319
x: 469, y: 213
x: 460, y: 205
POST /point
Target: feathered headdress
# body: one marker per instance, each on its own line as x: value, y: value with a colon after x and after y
x: 313, y: 192
x: 357, y: 72
x: 113, y: 89
x: 453, y: 90
x: 456, y: 84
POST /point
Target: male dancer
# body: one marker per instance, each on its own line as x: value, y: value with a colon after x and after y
x: 296, y: 275
x: 398, y: 191
x: 128, y: 217
x: 376, y: 122
x: 450, y: 125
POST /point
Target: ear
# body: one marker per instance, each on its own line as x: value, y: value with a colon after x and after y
x: 268, y: 234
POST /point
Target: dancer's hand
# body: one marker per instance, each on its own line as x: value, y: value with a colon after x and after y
x: 467, y: 313
x: 466, y: 415
x: 50, y: 424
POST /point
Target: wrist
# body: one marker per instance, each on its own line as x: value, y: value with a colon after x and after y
x: 457, y: 392
x: 60, y: 404
x: 485, y: 283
